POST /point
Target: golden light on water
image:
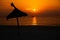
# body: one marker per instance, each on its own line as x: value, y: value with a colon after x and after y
x: 34, y: 22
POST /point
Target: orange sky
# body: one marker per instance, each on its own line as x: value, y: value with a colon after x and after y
x: 27, y: 5
x: 39, y: 5
x: 30, y: 7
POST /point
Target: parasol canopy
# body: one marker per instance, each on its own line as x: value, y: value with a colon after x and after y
x: 16, y: 13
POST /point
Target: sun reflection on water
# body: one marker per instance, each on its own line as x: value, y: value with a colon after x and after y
x: 34, y: 22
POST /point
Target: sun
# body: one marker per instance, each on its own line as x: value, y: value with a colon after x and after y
x: 34, y: 10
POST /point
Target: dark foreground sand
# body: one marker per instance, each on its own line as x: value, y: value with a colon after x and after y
x: 30, y: 33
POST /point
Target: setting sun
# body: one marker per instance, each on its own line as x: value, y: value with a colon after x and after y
x: 34, y: 10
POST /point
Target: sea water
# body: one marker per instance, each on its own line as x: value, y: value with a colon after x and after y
x: 31, y: 21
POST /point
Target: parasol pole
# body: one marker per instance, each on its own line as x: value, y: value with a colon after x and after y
x: 17, y: 25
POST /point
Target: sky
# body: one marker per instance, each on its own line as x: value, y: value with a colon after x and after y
x: 31, y: 7
x: 28, y: 6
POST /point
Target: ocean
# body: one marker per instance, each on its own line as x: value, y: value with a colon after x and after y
x: 47, y: 21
